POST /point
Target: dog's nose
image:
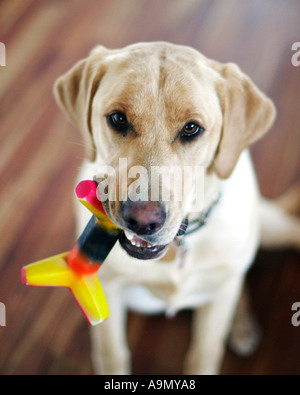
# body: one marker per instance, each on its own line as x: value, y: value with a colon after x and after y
x: 144, y: 218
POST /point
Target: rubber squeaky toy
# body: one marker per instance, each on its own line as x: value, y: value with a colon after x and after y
x: 78, y: 268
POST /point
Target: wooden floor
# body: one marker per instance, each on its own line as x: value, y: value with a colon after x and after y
x: 40, y: 153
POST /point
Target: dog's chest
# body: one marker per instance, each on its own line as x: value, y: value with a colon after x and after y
x: 171, y: 291
x: 165, y: 285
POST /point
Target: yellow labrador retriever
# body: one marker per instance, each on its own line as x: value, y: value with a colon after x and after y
x: 157, y: 105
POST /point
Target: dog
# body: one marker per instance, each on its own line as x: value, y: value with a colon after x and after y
x: 161, y: 104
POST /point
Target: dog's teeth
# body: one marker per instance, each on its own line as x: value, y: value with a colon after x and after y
x: 129, y: 235
x: 135, y: 241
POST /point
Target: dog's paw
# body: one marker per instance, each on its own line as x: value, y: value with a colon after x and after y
x: 194, y: 364
x: 117, y: 367
x: 245, y: 337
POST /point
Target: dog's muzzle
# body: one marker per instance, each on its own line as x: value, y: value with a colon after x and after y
x: 139, y: 248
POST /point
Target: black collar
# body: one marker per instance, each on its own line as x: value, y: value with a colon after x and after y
x: 198, y: 223
x: 189, y: 227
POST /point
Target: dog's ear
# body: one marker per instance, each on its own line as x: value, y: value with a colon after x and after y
x: 247, y: 115
x: 74, y: 92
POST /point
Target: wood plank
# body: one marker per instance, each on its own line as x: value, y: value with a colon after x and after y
x: 40, y: 153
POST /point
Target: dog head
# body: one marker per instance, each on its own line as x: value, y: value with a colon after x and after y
x: 160, y: 106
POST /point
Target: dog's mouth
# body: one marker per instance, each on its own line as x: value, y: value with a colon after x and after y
x: 141, y: 249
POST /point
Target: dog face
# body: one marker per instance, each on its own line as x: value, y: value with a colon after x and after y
x: 157, y: 105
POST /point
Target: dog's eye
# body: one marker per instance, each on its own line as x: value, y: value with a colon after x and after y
x: 191, y: 129
x: 118, y: 121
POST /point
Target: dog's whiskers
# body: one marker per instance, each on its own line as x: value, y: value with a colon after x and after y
x: 82, y: 145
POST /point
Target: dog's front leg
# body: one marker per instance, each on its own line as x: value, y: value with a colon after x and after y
x: 110, y: 353
x: 210, y: 328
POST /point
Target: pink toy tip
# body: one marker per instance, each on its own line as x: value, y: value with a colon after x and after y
x: 23, y: 276
x: 86, y: 188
